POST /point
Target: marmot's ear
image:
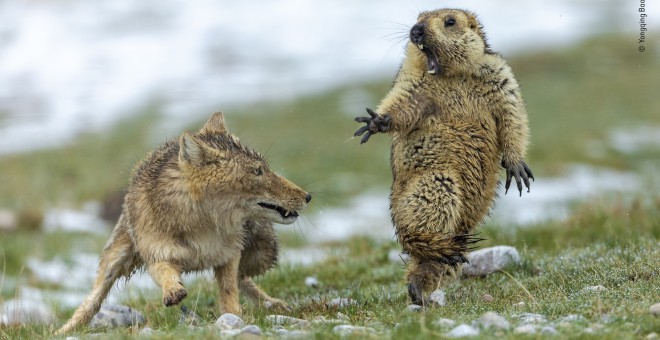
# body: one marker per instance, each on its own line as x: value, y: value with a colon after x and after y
x: 190, y: 149
x: 215, y: 124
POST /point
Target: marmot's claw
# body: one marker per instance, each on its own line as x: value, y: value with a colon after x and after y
x: 521, y: 172
x: 361, y: 130
x: 375, y: 123
x: 365, y: 138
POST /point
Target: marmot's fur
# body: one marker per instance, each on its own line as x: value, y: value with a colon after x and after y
x: 455, y: 114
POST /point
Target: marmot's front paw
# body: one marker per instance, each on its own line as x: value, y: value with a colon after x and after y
x: 376, y: 123
x: 518, y: 170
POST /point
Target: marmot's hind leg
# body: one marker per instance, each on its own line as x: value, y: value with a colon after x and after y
x: 425, y: 276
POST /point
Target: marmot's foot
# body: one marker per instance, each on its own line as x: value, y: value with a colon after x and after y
x: 518, y: 170
x: 416, y: 294
x: 376, y: 123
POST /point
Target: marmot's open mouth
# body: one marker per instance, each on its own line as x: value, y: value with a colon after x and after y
x: 431, y: 61
x: 283, y: 212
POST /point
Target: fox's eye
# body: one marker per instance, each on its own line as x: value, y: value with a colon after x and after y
x: 258, y: 171
x: 450, y: 22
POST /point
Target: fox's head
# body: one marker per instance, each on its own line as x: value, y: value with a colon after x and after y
x: 220, y: 168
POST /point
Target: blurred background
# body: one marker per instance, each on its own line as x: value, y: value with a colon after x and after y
x: 88, y: 87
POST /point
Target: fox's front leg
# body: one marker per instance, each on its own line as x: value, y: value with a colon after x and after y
x: 227, y: 278
x: 168, y: 277
x: 375, y: 123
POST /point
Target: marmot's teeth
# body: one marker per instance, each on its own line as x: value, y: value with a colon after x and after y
x: 431, y: 71
x: 421, y: 47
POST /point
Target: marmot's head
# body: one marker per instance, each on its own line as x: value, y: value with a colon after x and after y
x: 447, y: 39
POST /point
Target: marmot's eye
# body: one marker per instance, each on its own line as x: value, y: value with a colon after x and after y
x: 258, y: 171
x: 450, y: 22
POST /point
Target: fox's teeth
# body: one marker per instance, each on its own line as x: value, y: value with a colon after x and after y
x: 286, y: 214
x: 421, y: 47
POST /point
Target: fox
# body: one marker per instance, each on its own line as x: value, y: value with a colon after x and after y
x: 201, y: 202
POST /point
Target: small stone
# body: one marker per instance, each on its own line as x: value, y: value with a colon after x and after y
x: 549, y: 330
x: 438, y: 298
x: 8, y: 220
x: 414, y: 308
x: 488, y: 260
x: 229, y: 333
x: 148, y: 332
x: 572, y: 318
x: 342, y: 316
x: 397, y: 256
x: 110, y: 316
x: 655, y: 309
x: 493, y: 320
x: 189, y: 317
x: 229, y: 321
x: 598, y: 288
x: 298, y: 334
x: 532, y: 318
x: 283, y: 320
x: 322, y: 320
x: 462, y: 331
x: 341, y: 303
x: 346, y: 330
x: 311, y: 281
x: 251, y: 329
x: 72, y: 338
x: 444, y: 323
x: 487, y: 298
x: 652, y: 336
x: 526, y: 329
x: 519, y: 304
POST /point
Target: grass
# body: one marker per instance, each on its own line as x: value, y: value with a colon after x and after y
x: 575, y: 97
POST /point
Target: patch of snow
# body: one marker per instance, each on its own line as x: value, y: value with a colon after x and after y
x: 635, y: 139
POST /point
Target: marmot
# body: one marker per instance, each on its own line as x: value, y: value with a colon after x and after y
x: 455, y: 114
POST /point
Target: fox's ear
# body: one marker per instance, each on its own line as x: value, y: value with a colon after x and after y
x: 190, y: 149
x: 215, y: 124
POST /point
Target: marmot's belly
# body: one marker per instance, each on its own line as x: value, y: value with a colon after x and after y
x: 464, y: 162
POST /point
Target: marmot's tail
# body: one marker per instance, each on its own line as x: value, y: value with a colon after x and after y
x: 447, y: 249
x: 117, y: 260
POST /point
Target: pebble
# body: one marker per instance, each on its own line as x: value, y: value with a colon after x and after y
x: 8, y: 220
x: 229, y: 321
x: 438, y: 298
x: 462, y: 331
x: 297, y: 334
x: 322, y: 320
x: 346, y: 330
x: 655, y: 309
x: 493, y: 320
x: 311, y: 281
x: 414, y: 308
x: 147, y: 332
x: 189, y: 317
x: 229, y: 333
x: 549, y: 330
x: 282, y: 320
x: 488, y: 260
x: 652, y: 336
x: 341, y: 303
x: 487, y: 298
x: 444, y: 323
x: 532, y: 318
x: 572, y: 318
x: 598, y: 288
x: 251, y: 329
x: 526, y: 329
x: 72, y: 338
x: 110, y: 316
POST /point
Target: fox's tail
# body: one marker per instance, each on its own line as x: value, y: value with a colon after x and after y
x: 117, y: 260
x: 439, y: 247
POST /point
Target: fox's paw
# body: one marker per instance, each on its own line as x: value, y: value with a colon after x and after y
x: 375, y: 123
x: 277, y: 304
x: 520, y: 171
x: 174, y: 295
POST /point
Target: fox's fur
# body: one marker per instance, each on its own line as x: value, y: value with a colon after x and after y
x: 455, y: 114
x: 202, y: 202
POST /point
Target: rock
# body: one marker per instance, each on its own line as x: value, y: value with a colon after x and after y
x: 72, y: 338
x: 25, y: 310
x: 493, y: 320
x: 444, y: 323
x: 298, y: 334
x: 549, y: 330
x: 110, y: 316
x: 251, y: 329
x: 438, y: 298
x: 655, y: 309
x: 311, y: 281
x: 8, y: 220
x: 189, y: 317
x: 346, y: 330
x: 283, y: 320
x: 526, y: 329
x: 487, y: 298
x: 572, y: 318
x: 488, y: 260
x: 652, y: 336
x: 149, y: 332
x: 414, y: 308
x: 589, y: 289
x: 230, y: 333
x: 526, y: 318
x: 462, y: 331
x: 341, y: 303
x: 322, y: 320
x: 229, y: 321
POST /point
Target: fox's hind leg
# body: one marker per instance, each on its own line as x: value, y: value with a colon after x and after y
x: 168, y: 277
x: 259, y: 254
x: 226, y: 277
x: 117, y: 260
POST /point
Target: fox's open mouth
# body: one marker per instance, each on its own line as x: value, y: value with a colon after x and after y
x: 431, y: 60
x: 283, y: 212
